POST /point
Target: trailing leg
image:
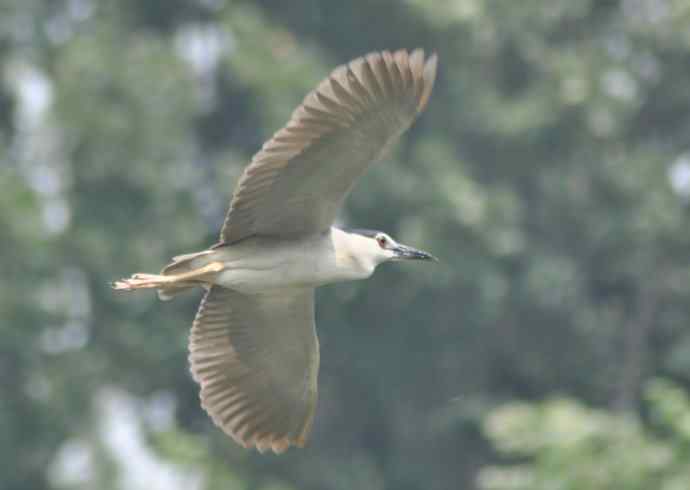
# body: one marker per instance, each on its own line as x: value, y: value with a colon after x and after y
x: 172, y: 282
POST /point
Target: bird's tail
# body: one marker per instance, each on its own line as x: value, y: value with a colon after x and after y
x: 169, y: 292
x: 181, y: 264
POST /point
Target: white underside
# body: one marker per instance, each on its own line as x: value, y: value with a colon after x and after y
x: 260, y: 264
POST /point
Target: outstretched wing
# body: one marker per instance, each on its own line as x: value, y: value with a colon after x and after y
x: 256, y: 358
x: 298, y: 180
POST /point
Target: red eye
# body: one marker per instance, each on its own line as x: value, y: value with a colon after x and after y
x: 382, y: 241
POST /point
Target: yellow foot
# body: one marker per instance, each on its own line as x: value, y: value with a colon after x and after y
x: 139, y: 281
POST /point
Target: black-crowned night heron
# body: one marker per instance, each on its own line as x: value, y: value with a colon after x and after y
x: 253, y: 346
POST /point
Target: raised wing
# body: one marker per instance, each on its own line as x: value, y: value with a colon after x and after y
x: 298, y: 180
x: 257, y: 360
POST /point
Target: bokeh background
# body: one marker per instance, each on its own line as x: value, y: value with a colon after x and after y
x: 549, y: 349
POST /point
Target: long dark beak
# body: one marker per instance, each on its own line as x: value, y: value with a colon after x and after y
x: 403, y: 252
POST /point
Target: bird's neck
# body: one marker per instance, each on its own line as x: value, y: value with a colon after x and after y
x: 352, y: 264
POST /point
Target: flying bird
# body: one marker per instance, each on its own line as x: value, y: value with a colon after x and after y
x: 253, y: 347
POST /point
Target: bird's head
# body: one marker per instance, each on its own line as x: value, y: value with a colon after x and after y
x: 380, y: 247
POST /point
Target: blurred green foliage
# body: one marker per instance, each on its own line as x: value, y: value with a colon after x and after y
x: 550, y: 173
x: 560, y: 443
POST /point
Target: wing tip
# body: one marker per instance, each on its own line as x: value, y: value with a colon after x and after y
x: 423, y: 69
x: 429, y: 77
x: 263, y: 441
x: 277, y: 443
